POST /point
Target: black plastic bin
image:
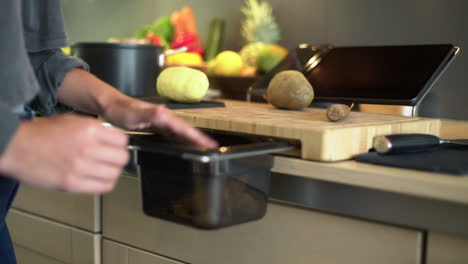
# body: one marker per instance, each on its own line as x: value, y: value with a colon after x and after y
x: 205, y: 188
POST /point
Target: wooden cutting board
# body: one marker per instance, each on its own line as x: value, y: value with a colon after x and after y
x: 320, y: 139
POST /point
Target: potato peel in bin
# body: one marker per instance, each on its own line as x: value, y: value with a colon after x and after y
x: 205, y: 188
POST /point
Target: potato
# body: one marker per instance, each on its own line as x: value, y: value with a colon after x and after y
x: 182, y: 84
x: 290, y: 90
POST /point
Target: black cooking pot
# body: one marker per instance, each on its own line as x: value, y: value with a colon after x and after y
x: 131, y: 68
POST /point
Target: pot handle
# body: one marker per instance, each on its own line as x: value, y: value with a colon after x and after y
x: 170, y: 52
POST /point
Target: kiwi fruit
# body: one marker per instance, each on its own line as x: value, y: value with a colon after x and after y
x: 290, y: 90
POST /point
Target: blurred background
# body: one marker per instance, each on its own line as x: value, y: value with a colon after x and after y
x: 337, y: 22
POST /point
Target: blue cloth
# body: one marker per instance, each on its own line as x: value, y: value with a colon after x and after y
x: 8, y: 189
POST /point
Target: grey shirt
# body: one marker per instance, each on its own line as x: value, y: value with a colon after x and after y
x: 32, y: 66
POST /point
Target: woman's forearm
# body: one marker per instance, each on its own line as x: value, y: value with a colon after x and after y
x: 86, y: 93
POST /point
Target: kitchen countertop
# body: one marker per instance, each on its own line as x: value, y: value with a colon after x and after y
x: 417, y: 199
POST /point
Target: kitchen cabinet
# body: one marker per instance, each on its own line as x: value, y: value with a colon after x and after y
x: 445, y: 248
x: 116, y: 253
x: 82, y: 211
x: 286, y: 235
x: 51, y: 242
x: 24, y: 255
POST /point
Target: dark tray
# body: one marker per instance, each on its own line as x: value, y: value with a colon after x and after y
x: 205, y: 188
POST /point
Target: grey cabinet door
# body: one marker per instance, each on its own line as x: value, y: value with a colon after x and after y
x: 77, y: 210
x: 48, y: 240
x: 285, y: 235
x: 115, y: 253
x: 28, y: 256
x: 445, y: 248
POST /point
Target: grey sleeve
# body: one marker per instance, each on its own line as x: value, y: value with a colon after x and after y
x: 9, y: 123
x: 17, y: 81
x: 51, y: 67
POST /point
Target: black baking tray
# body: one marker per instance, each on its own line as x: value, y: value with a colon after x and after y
x: 391, y: 75
x: 205, y: 188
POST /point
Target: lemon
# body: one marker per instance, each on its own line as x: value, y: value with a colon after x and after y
x: 228, y: 63
x: 185, y: 58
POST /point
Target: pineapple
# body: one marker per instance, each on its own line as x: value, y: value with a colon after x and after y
x: 249, y: 53
x: 259, y: 24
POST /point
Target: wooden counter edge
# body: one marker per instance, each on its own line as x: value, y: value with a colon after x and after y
x: 452, y: 129
x: 412, y: 182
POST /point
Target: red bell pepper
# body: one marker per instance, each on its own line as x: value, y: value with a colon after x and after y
x: 189, y: 40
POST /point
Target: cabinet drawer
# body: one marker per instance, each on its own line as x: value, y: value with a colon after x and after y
x: 445, y: 248
x: 34, y: 235
x: 78, y: 210
x: 286, y: 235
x: 27, y: 256
x: 115, y: 253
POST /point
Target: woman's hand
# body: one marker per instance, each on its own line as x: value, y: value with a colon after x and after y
x: 83, y: 91
x: 133, y: 114
x: 69, y: 153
